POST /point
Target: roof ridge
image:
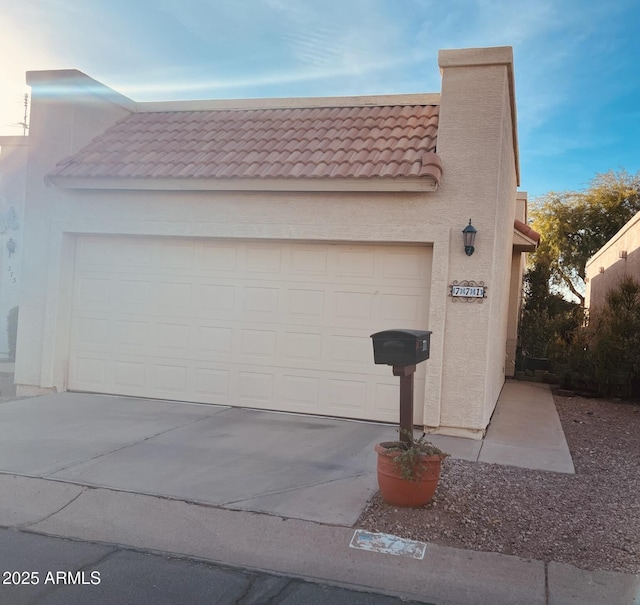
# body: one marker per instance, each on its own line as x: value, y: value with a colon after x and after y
x: 394, y: 100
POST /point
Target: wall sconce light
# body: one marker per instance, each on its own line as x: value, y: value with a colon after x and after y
x: 601, y: 270
x: 623, y: 254
x: 469, y: 236
x: 11, y: 246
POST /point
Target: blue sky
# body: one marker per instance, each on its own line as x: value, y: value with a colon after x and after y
x: 577, y: 62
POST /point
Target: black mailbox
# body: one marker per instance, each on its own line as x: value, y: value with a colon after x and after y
x: 401, y: 347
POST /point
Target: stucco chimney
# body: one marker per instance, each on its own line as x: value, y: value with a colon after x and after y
x: 474, y: 80
x: 477, y: 144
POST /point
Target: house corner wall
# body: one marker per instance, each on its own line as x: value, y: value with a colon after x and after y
x: 477, y: 143
x: 518, y: 262
x: 68, y: 109
x: 518, y: 265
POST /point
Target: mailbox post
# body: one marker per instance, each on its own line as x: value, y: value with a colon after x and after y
x: 402, y: 349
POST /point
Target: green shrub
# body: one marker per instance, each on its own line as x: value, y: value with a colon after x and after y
x: 604, y: 355
x: 617, y: 339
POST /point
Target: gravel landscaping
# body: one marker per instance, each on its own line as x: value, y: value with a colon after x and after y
x: 590, y: 519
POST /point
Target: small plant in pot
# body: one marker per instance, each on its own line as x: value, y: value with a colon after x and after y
x: 408, y: 470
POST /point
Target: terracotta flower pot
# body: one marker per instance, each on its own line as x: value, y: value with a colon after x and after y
x: 399, y: 491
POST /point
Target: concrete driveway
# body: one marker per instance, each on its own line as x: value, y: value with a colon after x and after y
x: 315, y: 469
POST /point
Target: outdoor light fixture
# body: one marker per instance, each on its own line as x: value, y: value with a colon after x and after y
x: 623, y: 254
x: 469, y: 236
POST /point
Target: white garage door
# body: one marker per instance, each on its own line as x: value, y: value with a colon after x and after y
x: 272, y: 325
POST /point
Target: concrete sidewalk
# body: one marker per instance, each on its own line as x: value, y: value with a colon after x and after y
x: 525, y: 431
x: 197, y: 481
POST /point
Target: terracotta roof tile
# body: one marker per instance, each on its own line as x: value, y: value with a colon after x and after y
x: 527, y: 231
x: 341, y: 142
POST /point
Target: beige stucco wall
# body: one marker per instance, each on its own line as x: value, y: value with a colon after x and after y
x: 515, y: 304
x: 476, y: 144
x: 518, y: 264
x: 606, y: 268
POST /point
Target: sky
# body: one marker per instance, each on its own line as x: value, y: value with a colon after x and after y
x: 577, y: 62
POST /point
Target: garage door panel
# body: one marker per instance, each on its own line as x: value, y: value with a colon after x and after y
x: 218, y: 257
x: 174, y: 338
x: 170, y: 378
x: 213, y: 339
x: 93, y: 291
x: 129, y: 374
x: 348, y: 304
x: 128, y: 335
x: 89, y: 371
x: 172, y: 254
x: 301, y: 391
x: 352, y: 351
x: 308, y: 260
x: 260, y: 300
x: 306, y: 302
x: 212, y: 382
x: 271, y: 325
x: 401, y: 307
x: 91, y: 332
x: 217, y: 297
x: 404, y: 264
x: 355, y: 262
x: 263, y: 259
x: 133, y: 294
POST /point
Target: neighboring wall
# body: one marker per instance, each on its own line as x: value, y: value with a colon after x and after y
x: 618, y: 258
x: 67, y: 111
x: 13, y: 163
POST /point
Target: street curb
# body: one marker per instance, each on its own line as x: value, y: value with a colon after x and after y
x: 302, y: 549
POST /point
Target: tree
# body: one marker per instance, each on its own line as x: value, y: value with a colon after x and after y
x: 548, y: 320
x: 576, y: 224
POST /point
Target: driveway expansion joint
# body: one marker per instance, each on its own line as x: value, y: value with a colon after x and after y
x: 123, y: 447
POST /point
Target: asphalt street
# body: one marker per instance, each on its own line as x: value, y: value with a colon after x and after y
x: 41, y: 570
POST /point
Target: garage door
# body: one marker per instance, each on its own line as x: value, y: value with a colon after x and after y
x: 271, y: 325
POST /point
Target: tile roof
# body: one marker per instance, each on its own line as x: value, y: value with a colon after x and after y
x: 394, y: 141
x: 527, y: 231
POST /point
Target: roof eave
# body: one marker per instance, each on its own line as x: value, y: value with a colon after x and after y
x: 522, y: 243
x: 398, y: 184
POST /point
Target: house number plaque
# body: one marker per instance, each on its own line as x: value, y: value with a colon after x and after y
x: 468, y: 291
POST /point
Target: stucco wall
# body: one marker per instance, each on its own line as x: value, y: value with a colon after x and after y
x: 13, y: 162
x: 476, y: 144
x: 67, y: 111
x: 518, y: 264
x: 606, y: 268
